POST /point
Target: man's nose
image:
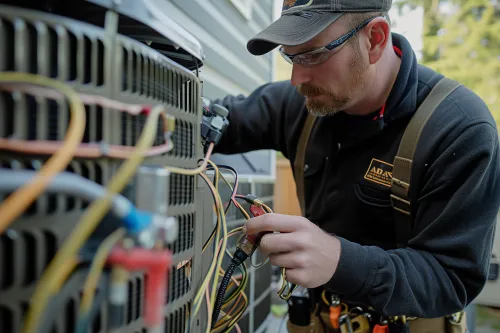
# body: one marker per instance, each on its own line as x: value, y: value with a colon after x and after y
x: 300, y: 75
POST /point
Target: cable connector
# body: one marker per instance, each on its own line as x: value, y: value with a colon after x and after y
x: 156, y: 264
x: 252, y: 199
x: 213, y: 124
x: 137, y: 220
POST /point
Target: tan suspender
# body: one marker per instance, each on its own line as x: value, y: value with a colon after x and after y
x: 300, y: 160
x: 400, y: 184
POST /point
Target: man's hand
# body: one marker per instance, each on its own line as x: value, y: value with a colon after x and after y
x: 309, y: 254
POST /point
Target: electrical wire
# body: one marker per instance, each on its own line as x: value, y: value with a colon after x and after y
x: 59, y: 302
x: 88, y: 223
x: 94, y: 276
x: 193, y: 172
x: 240, y: 289
x: 227, y: 275
x: 242, y: 267
x: 233, y: 190
x: 235, y: 262
x: 233, y: 313
x: 222, y: 251
x: 85, y: 150
x: 221, y: 224
x: 65, y: 183
x: 217, y: 261
x: 18, y: 202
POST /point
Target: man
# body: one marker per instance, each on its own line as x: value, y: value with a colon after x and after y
x: 364, y: 87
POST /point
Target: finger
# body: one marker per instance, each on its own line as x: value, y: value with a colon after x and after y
x: 277, y: 243
x: 289, y: 260
x: 273, y: 223
x: 297, y: 276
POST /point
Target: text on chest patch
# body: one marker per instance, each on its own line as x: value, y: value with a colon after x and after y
x: 379, y: 172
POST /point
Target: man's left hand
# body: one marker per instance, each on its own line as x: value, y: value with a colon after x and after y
x: 309, y: 254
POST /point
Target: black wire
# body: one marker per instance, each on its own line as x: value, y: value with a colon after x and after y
x: 233, y: 193
x: 223, y: 167
x: 215, y: 229
x: 222, y: 290
x: 227, y: 167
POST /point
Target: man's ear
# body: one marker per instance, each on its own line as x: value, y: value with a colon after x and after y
x: 378, y: 35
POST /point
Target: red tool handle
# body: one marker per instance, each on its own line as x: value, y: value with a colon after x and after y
x: 257, y: 211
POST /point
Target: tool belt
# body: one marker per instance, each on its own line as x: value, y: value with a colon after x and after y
x: 337, y: 317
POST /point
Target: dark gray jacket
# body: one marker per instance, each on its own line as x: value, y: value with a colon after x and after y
x: 455, y: 188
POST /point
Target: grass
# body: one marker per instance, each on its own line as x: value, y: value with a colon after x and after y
x: 488, y: 317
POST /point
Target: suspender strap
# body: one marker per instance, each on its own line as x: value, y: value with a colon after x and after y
x: 300, y: 160
x: 403, y: 161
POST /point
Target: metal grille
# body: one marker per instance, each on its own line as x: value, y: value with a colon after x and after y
x: 181, y: 189
x: 51, y: 49
x: 149, y: 77
x: 178, y: 282
x: 176, y: 321
x: 94, y: 62
x: 186, y: 234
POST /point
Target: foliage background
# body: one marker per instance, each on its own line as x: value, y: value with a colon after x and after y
x: 462, y: 41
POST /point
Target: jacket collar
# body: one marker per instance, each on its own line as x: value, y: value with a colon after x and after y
x: 401, y: 102
x: 403, y: 97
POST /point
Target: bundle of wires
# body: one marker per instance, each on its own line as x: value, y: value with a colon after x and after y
x: 238, y: 259
x: 236, y: 300
x: 217, y: 260
x: 231, y: 317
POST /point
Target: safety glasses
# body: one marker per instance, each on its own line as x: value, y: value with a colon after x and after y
x: 322, y: 54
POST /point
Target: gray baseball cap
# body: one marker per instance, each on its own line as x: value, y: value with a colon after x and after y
x: 302, y: 20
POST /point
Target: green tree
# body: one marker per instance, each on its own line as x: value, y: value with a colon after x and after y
x: 464, y: 44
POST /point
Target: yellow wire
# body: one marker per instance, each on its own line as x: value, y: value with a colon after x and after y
x: 242, y: 210
x: 239, y: 313
x: 230, y: 315
x: 219, y: 214
x: 97, y: 267
x: 65, y: 273
x: 193, y: 172
x: 224, y: 241
x: 217, y: 175
x: 96, y: 211
x: 204, y: 285
x: 222, y: 250
x: 19, y: 201
x: 268, y: 210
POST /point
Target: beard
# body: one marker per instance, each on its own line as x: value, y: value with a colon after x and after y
x: 336, y: 102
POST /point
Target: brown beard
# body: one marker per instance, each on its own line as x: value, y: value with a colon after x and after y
x: 336, y: 102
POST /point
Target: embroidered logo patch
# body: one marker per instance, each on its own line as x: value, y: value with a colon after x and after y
x: 379, y: 172
x: 287, y: 4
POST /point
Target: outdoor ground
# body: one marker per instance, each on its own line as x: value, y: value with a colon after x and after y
x: 487, y: 320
